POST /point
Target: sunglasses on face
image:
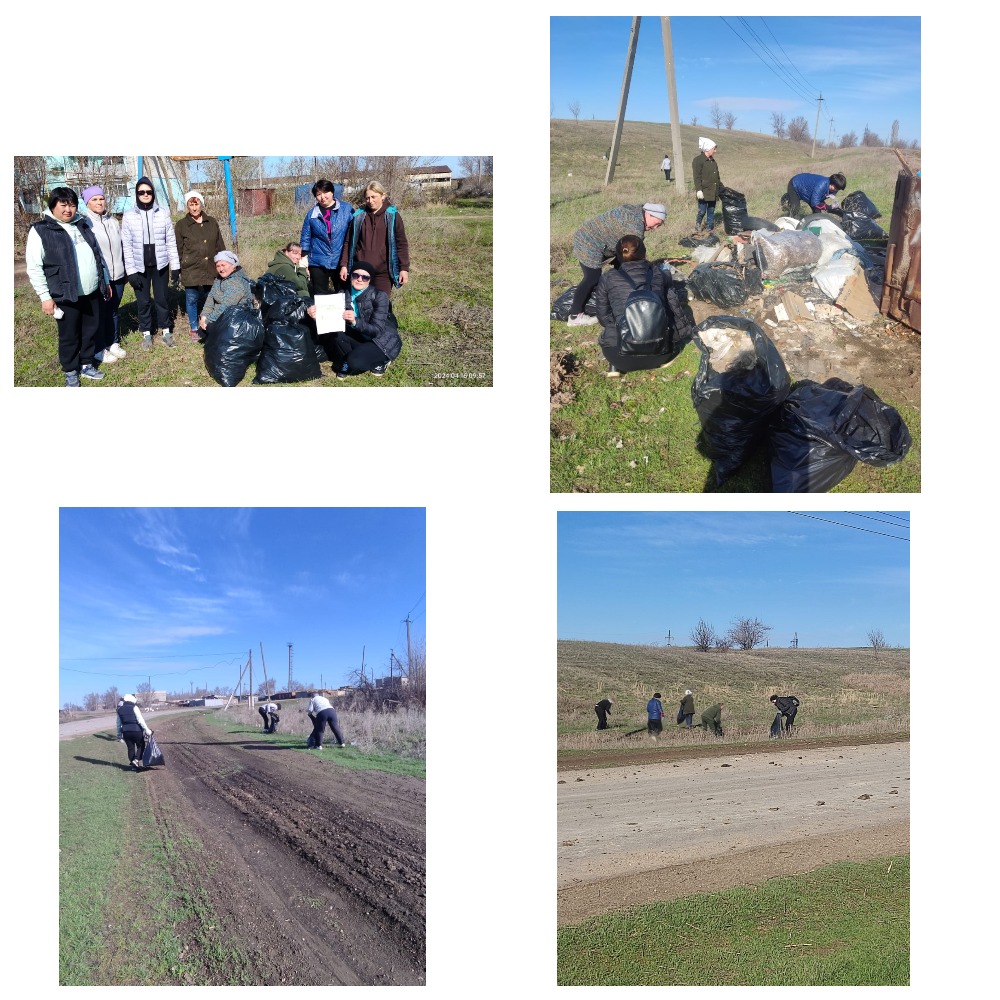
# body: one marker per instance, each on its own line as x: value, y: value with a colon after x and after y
x: 145, y: 194
x: 359, y: 276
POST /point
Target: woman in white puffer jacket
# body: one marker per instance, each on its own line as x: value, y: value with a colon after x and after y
x: 150, y: 250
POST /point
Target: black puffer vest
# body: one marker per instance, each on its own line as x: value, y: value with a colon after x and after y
x: 61, y: 273
x: 130, y: 724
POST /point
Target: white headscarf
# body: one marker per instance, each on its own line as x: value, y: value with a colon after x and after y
x: 705, y: 144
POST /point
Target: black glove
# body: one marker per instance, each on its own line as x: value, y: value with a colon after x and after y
x: 175, y: 278
x: 133, y: 280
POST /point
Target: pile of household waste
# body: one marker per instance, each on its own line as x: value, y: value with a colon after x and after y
x: 272, y: 336
x: 820, y: 268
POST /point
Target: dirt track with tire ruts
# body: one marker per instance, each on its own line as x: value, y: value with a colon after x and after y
x: 315, y: 871
x: 682, y: 826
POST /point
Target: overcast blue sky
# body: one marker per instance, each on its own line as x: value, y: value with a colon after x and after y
x: 866, y: 68
x: 631, y: 577
x: 182, y: 594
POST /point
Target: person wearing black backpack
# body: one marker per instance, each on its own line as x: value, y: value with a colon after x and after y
x: 645, y: 318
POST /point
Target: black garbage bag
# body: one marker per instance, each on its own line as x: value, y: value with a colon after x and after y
x: 233, y: 343
x: 858, y: 203
x: 860, y: 227
x: 563, y: 304
x: 741, y: 382
x: 289, y: 354
x: 152, y: 755
x: 734, y: 211
x: 278, y: 299
x: 724, y: 284
x: 776, y: 727
x: 822, y: 431
x: 754, y: 222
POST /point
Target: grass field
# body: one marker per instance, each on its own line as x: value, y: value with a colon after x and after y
x: 638, y: 433
x: 842, y: 691
x: 445, y: 313
x: 843, y: 925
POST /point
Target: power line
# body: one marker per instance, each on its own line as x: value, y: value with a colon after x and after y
x: 763, y: 44
x: 896, y: 524
x: 842, y: 525
x: 785, y: 54
x: 795, y: 88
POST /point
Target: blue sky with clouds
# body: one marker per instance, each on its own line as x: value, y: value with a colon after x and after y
x: 182, y: 594
x: 866, y: 68
x: 630, y: 577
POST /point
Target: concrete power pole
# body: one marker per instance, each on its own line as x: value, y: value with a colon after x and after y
x: 409, y: 652
x: 289, y: 666
x: 623, y: 100
x: 675, y: 118
x: 819, y: 104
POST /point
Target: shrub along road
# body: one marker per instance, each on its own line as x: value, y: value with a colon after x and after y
x: 315, y: 873
x: 638, y: 834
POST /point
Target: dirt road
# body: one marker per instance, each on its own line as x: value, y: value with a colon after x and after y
x: 646, y: 832
x: 316, y: 871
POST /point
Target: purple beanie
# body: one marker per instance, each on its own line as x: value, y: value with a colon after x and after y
x: 89, y: 193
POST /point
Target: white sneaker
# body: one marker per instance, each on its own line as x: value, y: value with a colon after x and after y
x: 106, y: 357
x: 118, y: 351
x: 581, y: 319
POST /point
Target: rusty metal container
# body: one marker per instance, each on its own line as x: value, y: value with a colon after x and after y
x: 256, y: 201
x: 901, y: 289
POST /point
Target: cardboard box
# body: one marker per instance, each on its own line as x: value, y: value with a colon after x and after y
x: 856, y: 298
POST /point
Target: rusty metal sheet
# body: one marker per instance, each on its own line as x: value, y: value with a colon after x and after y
x: 901, y: 289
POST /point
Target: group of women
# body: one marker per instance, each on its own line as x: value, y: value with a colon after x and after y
x: 79, y: 262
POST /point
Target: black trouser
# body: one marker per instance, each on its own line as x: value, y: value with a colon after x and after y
x: 635, y: 362
x: 793, y: 201
x: 155, y: 281
x: 654, y: 726
x: 789, y: 718
x: 266, y: 716
x: 78, y: 331
x: 666, y: 174
x: 135, y: 743
x: 591, y: 276
x: 602, y: 717
x: 324, y: 280
x: 359, y: 355
x: 327, y: 717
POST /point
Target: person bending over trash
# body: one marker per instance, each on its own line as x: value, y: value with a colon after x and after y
x: 324, y: 715
x: 713, y: 717
x: 232, y: 287
x: 269, y: 713
x: 654, y: 712
x: 594, y: 243
x: 813, y: 189
x: 687, y: 709
x: 787, y: 705
x: 603, y: 710
x: 134, y: 730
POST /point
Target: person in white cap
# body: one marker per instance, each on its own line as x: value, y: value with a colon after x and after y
x: 199, y: 239
x: 594, y: 244
x: 687, y: 709
x: 134, y: 730
x: 706, y: 181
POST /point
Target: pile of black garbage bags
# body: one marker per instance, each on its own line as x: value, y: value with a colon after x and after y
x: 276, y: 338
x: 816, y: 434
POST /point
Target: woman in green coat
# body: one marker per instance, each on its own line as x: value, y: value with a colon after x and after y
x: 706, y: 181
x: 285, y: 264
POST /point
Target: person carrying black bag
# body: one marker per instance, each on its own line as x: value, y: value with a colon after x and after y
x: 134, y: 730
x: 603, y: 710
x: 787, y: 705
x: 644, y: 318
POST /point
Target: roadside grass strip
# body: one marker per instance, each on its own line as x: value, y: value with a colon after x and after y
x: 124, y: 918
x: 841, y: 925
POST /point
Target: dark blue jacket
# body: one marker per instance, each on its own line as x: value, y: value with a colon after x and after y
x: 813, y: 188
x: 374, y: 320
x: 324, y: 248
x: 654, y: 709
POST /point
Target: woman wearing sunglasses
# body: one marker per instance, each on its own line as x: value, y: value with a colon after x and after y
x: 371, y: 339
x: 150, y: 250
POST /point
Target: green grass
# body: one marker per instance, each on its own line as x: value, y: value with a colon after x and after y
x: 843, y: 925
x: 445, y: 313
x: 843, y: 691
x: 639, y: 434
x: 123, y: 920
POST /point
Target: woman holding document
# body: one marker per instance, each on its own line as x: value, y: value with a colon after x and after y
x: 371, y: 339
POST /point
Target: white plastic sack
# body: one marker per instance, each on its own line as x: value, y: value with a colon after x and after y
x: 824, y: 225
x: 779, y: 252
x: 787, y: 222
x: 833, y: 245
x: 830, y: 278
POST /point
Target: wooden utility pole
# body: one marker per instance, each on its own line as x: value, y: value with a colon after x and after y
x: 677, y: 157
x: 623, y: 100
x: 267, y: 693
x: 409, y: 652
x: 250, y: 695
x: 819, y: 104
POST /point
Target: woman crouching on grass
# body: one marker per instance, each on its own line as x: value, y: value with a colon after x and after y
x: 134, y: 730
x: 232, y: 287
x: 371, y: 339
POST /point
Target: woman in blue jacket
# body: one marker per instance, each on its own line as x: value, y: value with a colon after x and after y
x: 371, y: 339
x: 322, y: 238
x: 813, y: 189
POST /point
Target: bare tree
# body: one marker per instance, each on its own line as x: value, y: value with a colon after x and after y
x: 778, y: 126
x: 745, y: 633
x: 848, y: 140
x: 266, y: 688
x: 715, y: 114
x: 703, y: 636
x: 574, y: 108
x: 92, y: 701
x: 480, y: 170
x: 729, y: 120
x: 694, y: 119
x: 877, y: 640
x: 798, y: 129
x: 111, y: 697
x: 914, y: 144
x: 871, y: 138
x: 894, y: 133
x: 723, y: 643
